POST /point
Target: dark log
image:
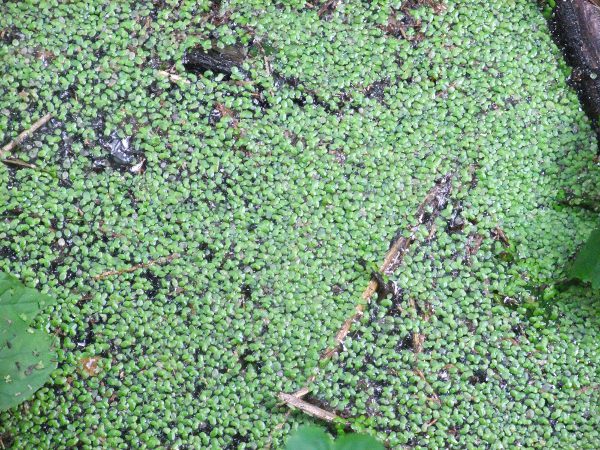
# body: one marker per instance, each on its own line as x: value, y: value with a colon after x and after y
x: 576, y: 26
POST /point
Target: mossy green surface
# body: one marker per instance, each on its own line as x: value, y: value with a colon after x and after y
x: 262, y: 218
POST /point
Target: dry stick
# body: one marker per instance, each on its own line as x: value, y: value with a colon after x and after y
x: 301, y: 393
x: 173, y: 76
x: 306, y: 407
x: 25, y: 134
x: 19, y: 163
x: 162, y: 260
x: 435, y: 198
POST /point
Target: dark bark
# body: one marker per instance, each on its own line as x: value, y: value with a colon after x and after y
x: 576, y: 26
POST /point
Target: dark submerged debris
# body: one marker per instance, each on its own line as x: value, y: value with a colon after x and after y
x: 400, y: 21
x: 456, y: 222
x: 121, y: 151
x: 377, y: 90
x: 216, y: 60
x: 328, y: 7
x: 8, y: 34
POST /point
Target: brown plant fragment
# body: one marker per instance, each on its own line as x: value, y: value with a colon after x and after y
x: 90, y: 365
x: 418, y: 340
x: 499, y: 234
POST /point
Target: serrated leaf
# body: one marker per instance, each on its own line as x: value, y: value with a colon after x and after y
x: 357, y: 442
x: 309, y: 438
x: 587, y: 264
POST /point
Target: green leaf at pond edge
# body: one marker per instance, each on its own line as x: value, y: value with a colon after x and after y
x: 357, y: 442
x: 18, y: 301
x: 26, y: 363
x: 310, y: 438
x: 587, y: 264
x: 27, y: 356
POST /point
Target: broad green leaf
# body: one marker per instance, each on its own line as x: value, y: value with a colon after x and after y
x: 357, y: 442
x: 27, y: 356
x: 26, y: 362
x: 309, y: 438
x: 18, y: 301
x: 587, y: 264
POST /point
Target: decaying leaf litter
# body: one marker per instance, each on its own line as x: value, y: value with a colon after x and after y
x: 341, y: 131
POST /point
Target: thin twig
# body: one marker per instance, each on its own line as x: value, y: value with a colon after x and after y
x: 19, y: 163
x: 301, y: 392
x: 154, y: 262
x: 25, y: 165
x: 431, y: 423
x: 421, y: 375
x: 418, y: 340
x: 311, y: 410
x: 25, y: 134
x: 435, y: 199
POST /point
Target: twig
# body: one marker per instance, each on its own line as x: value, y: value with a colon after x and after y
x: 473, y: 245
x: 434, y: 398
x: 25, y: 134
x: 162, y: 260
x: 418, y: 340
x: 301, y: 392
x: 19, y: 163
x: 435, y: 199
x: 173, y: 76
x: 267, y: 65
x: 431, y: 423
x: 25, y: 165
x: 311, y: 410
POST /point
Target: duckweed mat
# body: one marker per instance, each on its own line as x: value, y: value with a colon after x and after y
x: 208, y: 232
